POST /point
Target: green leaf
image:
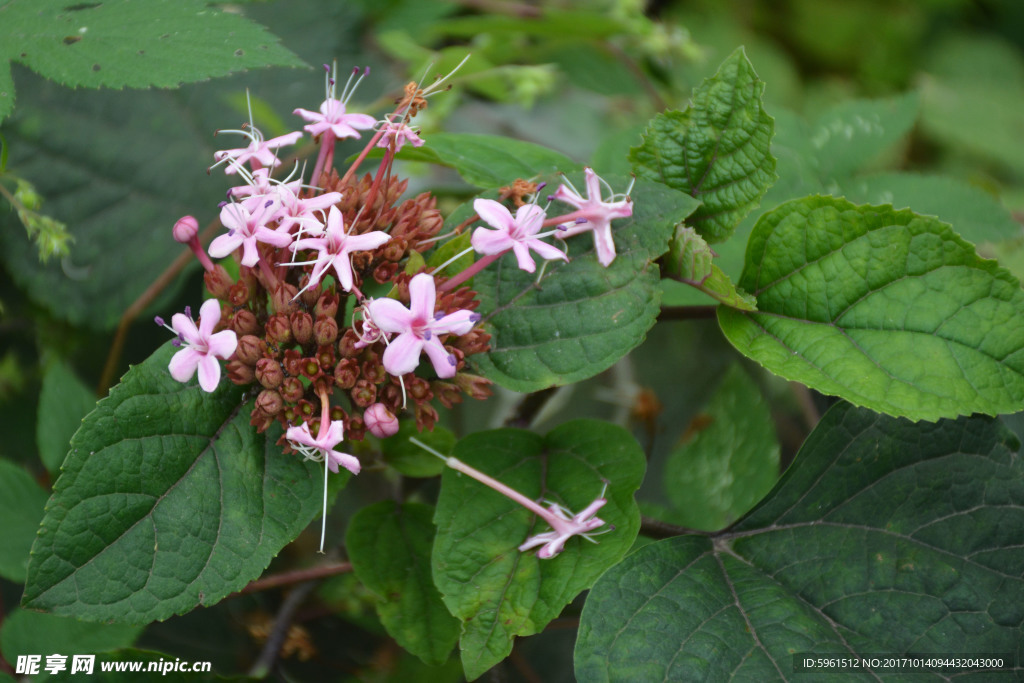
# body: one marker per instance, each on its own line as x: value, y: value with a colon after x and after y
x: 410, y: 459
x: 975, y: 214
x: 887, y: 309
x: 117, y: 44
x: 583, y: 317
x: 450, y: 249
x: 883, y: 537
x: 168, y: 500
x: 21, y: 507
x: 856, y: 132
x: 689, y: 261
x: 497, y: 591
x: 26, y: 632
x: 389, y: 546
x: 716, y: 150
x: 729, y: 463
x: 489, y: 161
x: 63, y: 401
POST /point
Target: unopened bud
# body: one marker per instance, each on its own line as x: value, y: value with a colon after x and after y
x: 380, y: 421
x: 244, y: 322
x: 473, y: 385
x: 269, y: 373
x: 218, y: 282
x: 269, y: 402
x: 282, y: 296
x: 239, y: 372
x: 325, y: 330
x: 185, y: 229
x: 302, y: 327
x: 238, y: 294
x: 327, y: 305
x: 250, y: 349
x: 279, y: 330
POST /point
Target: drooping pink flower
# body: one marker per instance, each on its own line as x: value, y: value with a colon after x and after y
x: 321, y: 448
x: 564, y: 526
x: 259, y: 153
x: 335, y: 247
x: 332, y: 115
x: 593, y: 214
x: 399, y: 134
x: 201, y: 347
x: 518, y: 234
x: 418, y: 329
x: 247, y: 224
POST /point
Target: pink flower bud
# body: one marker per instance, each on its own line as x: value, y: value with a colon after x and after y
x: 185, y: 229
x: 380, y: 421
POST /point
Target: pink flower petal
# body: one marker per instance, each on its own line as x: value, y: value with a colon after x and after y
x: 389, y: 315
x: 209, y: 373
x: 403, y: 354
x: 183, y: 364
x: 421, y: 296
x: 488, y: 242
x: 495, y: 214
x: 439, y: 357
x: 209, y: 316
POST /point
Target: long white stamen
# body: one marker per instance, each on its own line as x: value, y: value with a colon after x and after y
x: 450, y: 261
x: 323, y: 523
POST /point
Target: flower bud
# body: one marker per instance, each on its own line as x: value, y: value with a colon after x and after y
x: 269, y: 402
x: 384, y: 272
x: 426, y: 416
x: 218, y: 282
x: 279, y: 330
x: 269, y: 373
x: 327, y: 305
x: 302, y: 327
x: 447, y: 393
x: 282, y: 297
x: 380, y: 421
x: 249, y: 349
x: 293, y: 362
x: 244, y: 322
x: 477, y: 387
x: 325, y: 330
x: 185, y: 229
x: 238, y: 294
x: 346, y: 373
x: 239, y: 372
x: 364, y: 393
x: 394, y: 250
x: 292, y: 389
x: 347, y: 344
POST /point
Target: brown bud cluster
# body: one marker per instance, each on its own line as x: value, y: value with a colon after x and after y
x: 297, y: 343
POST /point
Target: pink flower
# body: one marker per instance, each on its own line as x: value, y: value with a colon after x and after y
x: 518, y: 234
x: 565, y: 527
x: 418, y: 329
x: 322, y: 447
x: 332, y: 117
x: 381, y: 422
x: 246, y: 222
x: 399, y: 134
x: 594, y: 214
x: 258, y: 151
x: 202, y: 346
x: 303, y: 212
x: 335, y: 247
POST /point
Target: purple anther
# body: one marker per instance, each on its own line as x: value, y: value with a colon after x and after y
x: 176, y: 341
x: 541, y: 186
x: 475, y: 317
x: 426, y: 335
x: 188, y: 312
x: 366, y: 71
x: 438, y: 315
x: 327, y: 68
x: 580, y: 221
x: 561, y: 227
x: 551, y: 197
x: 222, y: 205
x: 159, y: 321
x: 355, y: 70
x: 451, y: 359
x: 270, y: 202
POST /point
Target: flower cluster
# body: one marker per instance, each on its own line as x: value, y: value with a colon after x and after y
x: 322, y: 314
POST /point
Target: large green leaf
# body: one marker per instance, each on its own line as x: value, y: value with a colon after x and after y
x: 716, y: 150
x: 883, y: 537
x: 497, y: 591
x: 63, y: 401
x: 856, y: 132
x: 887, y: 309
x: 583, y: 316
x: 21, y: 507
x: 975, y: 214
x: 489, y: 161
x: 168, y: 500
x: 389, y: 546
x: 729, y: 462
x: 161, y: 43
x: 26, y: 632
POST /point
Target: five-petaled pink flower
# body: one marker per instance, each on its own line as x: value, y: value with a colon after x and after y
x: 398, y: 134
x: 260, y: 153
x: 246, y: 222
x: 565, y: 527
x: 332, y: 117
x: 335, y: 247
x: 518, y: 234
x: 322, y: 447
x: 593, y: 214
x: 418, y: 329
x: 202, y: 347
